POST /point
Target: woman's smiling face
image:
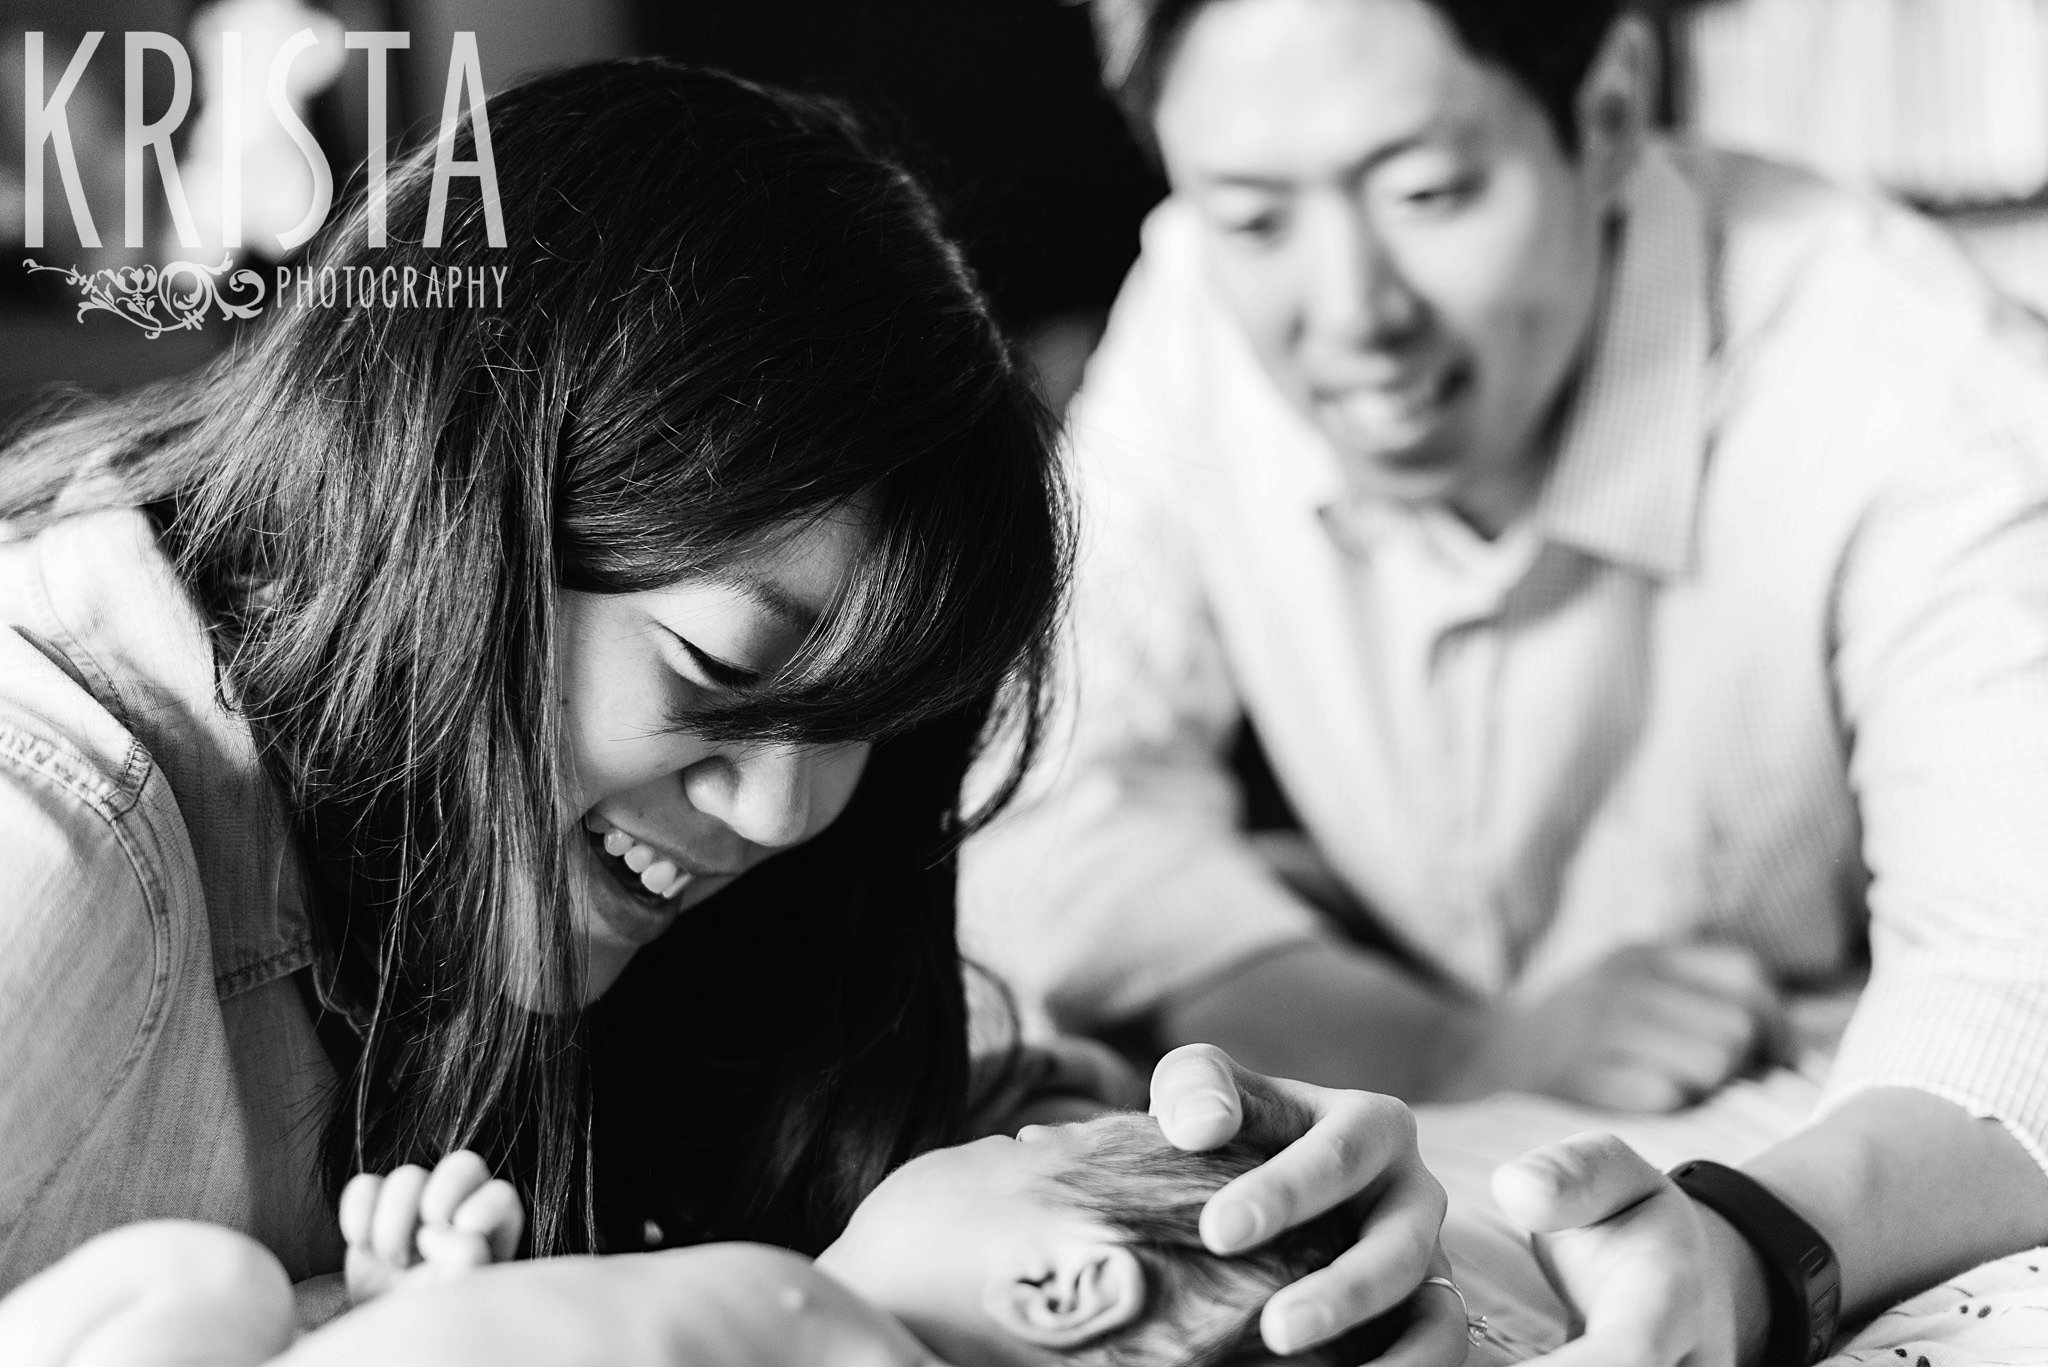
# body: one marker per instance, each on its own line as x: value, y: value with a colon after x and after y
x: 668, y: 817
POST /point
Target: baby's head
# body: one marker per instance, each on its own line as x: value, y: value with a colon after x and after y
x: 1074, y: 1244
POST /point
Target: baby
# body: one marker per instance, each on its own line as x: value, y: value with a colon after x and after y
x: 1072, y: 1244
x: 1076, y: 1244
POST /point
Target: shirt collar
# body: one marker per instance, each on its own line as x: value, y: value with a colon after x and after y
x: 1625, y: 484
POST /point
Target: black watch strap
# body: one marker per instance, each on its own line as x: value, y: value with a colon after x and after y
x: 1805, y: 1280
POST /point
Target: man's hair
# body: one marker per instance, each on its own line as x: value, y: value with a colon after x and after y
x: 1547, y: 46
x: 1201, y: 1309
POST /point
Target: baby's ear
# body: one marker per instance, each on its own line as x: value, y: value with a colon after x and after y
x: 1084, y: 1291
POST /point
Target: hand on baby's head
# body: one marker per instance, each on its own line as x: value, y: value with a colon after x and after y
x: 1077, y: 1244
x: 416, y: 1228
x: 1200, y: 1309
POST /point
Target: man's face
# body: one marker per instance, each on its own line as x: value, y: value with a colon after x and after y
x: 1409, y: 250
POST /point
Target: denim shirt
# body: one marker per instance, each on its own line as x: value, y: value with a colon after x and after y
x: 156, y: 1057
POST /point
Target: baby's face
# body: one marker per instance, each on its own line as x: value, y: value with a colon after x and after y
x: 951, y: 1202
x: 972, y: 1249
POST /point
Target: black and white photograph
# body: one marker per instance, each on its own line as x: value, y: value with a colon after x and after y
x: 1023, y: 683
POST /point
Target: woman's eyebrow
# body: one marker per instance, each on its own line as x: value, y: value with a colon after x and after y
x: 772, y: 598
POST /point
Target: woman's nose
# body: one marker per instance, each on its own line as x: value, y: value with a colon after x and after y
x: 762, y: 792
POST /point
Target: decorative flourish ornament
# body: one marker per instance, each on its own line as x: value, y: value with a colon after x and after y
x: 185, y: 291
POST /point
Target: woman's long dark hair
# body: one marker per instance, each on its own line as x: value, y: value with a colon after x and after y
x: 723, y: 313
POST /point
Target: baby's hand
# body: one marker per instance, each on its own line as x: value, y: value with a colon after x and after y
x: 411, y: 1229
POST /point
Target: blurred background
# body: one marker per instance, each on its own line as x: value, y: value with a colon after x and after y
x: 1941, y: 102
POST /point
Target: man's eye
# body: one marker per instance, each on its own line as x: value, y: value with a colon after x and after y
x: 1439, y: 197
x: 1261, y: 229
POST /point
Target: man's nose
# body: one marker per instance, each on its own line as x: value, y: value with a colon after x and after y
x: 1355, y: 296
x: 762, y: 792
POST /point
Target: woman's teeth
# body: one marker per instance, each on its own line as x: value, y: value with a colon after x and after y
x: 658, y: 875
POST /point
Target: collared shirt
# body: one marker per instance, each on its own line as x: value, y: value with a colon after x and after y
x: 156, y: 1059
x: 1766, y: 662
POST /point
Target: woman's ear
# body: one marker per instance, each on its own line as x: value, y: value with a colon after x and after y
x: 1085, y: 1291
x: 1616, y: 106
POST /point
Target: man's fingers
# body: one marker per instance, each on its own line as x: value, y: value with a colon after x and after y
x: 398, y: 1215
x: 1195, y: 1097
x: 1201, y: 1097
x: 1696, y: 1065
x: 1432, y: 1329
x: 1397, y: 1250
x: 1629, y: 1085
x: 1632, y: 1303
x: 1338, y: 1144
x: 1610, y: 1349
x: 1435, y: 1335
x: 1728, y: 969
x: 1735, y: 974
x: 1578, y: 1181
x: 1624, y: 1250
x: 1351, y: 1145
x: 1731, y: 1026
x: 453, y: 1180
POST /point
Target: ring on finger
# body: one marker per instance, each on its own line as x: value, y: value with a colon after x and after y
x: 1476, y: 1328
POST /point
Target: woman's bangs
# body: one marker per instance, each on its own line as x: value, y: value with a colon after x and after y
x: 946, y: 605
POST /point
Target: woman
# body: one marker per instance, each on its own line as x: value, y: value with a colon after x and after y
x: 372, y: 702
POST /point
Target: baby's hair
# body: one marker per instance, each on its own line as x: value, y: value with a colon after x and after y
x: 1201, y: 1310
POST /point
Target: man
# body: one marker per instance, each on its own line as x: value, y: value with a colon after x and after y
x: 1635, y: 562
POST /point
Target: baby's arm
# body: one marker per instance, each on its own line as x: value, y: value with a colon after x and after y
x: 170, y: 1292
x: 413, y: 1228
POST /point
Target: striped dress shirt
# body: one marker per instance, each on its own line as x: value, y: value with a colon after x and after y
x: 1766, y: 662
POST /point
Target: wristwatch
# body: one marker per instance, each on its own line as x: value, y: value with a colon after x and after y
x: 1804, y: 1278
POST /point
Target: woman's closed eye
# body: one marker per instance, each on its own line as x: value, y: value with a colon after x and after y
x: 715, y: 673
x: 701, y: 669
x: 705, y: 680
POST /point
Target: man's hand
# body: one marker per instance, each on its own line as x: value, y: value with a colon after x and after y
x: 1340, y: 1146
x: 1652, y: 1278
x: 1649, y: 1028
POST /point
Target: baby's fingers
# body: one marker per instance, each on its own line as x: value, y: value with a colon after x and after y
x: 494, y: 1212
x: 398, y: 1215
x: 454, y: 1180
x: 447, y: 1250
x: 358, y: 1202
